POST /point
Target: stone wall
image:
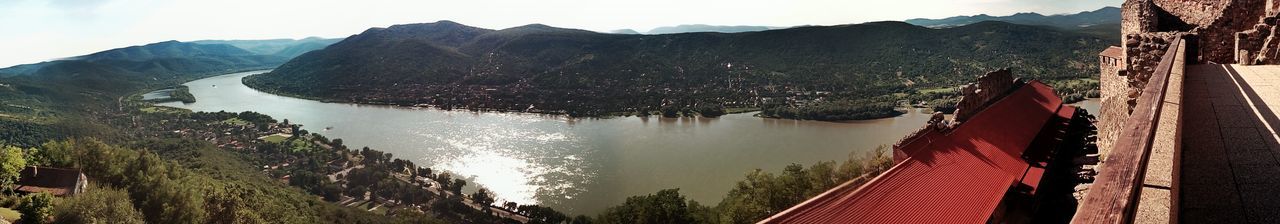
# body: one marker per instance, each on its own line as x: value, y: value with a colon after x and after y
x: 975, y: 97
x: 1194, y: 12
x: 1273, y: 7
x: 1217, y: 31
x: 1214, y: 22
x: 1259, y: 45
x: 1137, y: 17
x: 1115, y: 100
x: 1217, y: 43
x: 1143, y: 52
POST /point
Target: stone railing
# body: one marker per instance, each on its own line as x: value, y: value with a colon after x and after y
x: 1116, y: 193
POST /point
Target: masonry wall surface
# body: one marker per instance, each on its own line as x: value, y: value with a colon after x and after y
x: 1115, y: 107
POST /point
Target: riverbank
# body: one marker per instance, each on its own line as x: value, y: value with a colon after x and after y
x: 401, y: 186
x: 606, y: 115
x: 578, y: 166
x: 855, y: 111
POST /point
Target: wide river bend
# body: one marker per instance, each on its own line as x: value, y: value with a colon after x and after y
x: 578, y: 166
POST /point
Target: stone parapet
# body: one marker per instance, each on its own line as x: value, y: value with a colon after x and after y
x: 975, y: 97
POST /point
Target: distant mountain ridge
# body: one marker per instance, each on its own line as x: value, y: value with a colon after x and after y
x: 288, y: 48
x: 625, y: 31
x: 183, y: 57
x: 167, y: 49
x: 695, y: 28
x: 115, y: 68
x: 582, y: 72
x: 1105, y: 15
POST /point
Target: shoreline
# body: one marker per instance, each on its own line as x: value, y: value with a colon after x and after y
x: 608, y: 115
x: 557, y: 114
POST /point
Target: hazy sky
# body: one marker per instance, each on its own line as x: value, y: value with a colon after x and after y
x: 38, y: 30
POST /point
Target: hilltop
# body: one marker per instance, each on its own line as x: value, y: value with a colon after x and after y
x: 840, y: 72
x: 110, y: 70
x: 287, y: 48
x: 1103, y: 16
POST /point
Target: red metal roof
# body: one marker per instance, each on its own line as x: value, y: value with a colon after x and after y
x: 957, y: 177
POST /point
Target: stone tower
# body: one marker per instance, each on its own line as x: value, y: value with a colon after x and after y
x: 1216, y: 31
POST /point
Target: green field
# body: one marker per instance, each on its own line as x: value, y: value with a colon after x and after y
x: 366, y: 205
x: 276, y: 138
x: 939, y: 90
x: 301, y: 144
x: 235, y: 121
x: 164, y: 109
x: 9, y: 214
x: 295, y: 145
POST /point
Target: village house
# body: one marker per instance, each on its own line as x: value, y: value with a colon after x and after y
x: 56, y: 181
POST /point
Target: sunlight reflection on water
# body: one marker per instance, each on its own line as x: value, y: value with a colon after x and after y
x: 578, y: 166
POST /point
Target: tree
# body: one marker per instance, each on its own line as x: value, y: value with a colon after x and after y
x: 539, y: 214
x: 822, y: 177
x: 445, y: 180
x: 36, y: 208
x: 424, y: 172
x: 332, y: 192
x: 751, y: 200
x: 456, y: 188
x: 510, y: 206
x: 295, y: 130
x: 98, y: 205
x: 484, y: 198
x: 795, y: 184
x: 667, y: 206
x: 337, y: 144
x: 580, y: 219
x: 57, y: 154
x: 11, y: 164
x: 670, y: 111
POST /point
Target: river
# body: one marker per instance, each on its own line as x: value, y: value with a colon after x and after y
x: 577, y: 166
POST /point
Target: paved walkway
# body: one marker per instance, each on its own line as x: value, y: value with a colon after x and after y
x: 1230, y: 152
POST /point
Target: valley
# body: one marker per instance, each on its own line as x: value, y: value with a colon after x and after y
x: 846, y: 72
x: 450, y: 123
x: 575, y: 165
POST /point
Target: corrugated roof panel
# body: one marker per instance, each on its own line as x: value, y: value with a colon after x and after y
x: 959, y: 177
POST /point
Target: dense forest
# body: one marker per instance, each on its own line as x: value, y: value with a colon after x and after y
x: 814, y: 72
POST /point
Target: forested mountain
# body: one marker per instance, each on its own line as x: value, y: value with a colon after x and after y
x: 287, y: 48
x: 1105, y: 15
x: 167, y: 49
x: 832, y: 69
x: 172, y: 58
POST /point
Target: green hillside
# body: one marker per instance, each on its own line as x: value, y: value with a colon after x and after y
x: 854, y: 71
